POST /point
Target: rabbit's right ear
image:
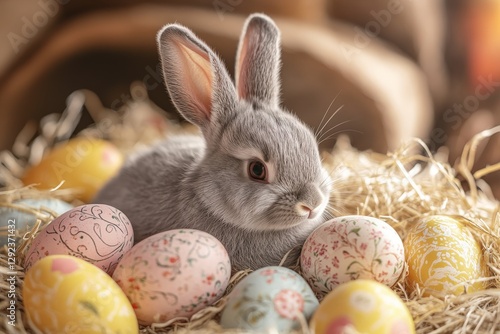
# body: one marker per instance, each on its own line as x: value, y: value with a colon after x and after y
x: 258, y: 61
x: 196, y: 78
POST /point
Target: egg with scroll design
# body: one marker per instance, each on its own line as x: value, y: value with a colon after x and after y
x: 97, y: 233
x: 173, y: 274
x: 444, y: 257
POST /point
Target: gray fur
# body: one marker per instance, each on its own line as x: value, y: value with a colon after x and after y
x: 201, y: 182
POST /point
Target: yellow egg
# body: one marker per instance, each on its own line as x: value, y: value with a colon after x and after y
x: 64, y: 294
x: 443, y: 257
x: 362, y: 306
x: 84, y: 164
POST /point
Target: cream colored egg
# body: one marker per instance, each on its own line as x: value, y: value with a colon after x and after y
x: 63, y: 294
x: 351, y: 247
x: 443, y: 257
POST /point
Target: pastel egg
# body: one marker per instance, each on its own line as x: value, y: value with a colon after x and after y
x: 351, y: 247
x: 444, y: 257
x: 63, y: 294
x: 24, y: 221
x: 97, y: 233
x: 173, y: 274
x: 362, y: 306
x: 271, y: 298
x: 84, y: 164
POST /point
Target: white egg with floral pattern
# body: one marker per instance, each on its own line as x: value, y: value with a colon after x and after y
x: 351, y: 247
x: 271, y: 298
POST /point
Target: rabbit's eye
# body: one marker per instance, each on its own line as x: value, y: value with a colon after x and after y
x: 257, y: 171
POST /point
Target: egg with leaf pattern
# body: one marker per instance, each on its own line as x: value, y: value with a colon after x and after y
x: 352, y: 247
x: 173, y: 274
x: 270, y: 299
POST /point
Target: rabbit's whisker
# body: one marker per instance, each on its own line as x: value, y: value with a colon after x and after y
x: 316, y: 132
x: 332, y: 128
x: 327, y: 215
x: 331, y: 211
x: 330, y: 179
x: 319, y: 132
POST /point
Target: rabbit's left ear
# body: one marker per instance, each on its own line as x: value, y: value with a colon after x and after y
x: 258, y: 62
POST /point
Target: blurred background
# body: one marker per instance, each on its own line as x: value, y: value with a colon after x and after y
x: 395, y: 69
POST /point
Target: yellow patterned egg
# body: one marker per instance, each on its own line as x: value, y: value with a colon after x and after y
x: 64, y: 294
x: 362, y: 306
x: 84, y: 164
x: 443, y: 257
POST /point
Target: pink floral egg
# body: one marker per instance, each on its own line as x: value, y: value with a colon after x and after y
x: 173, y: 274
x: 349, y: 248
x: 97, y: 233
x: 271, y: 298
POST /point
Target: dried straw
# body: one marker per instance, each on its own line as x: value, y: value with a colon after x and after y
x: 400, y: 188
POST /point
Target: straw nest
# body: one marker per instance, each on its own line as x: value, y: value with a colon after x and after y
x: 399, y: 188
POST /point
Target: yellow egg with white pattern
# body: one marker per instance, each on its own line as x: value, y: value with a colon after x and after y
x: 362, y: 306
x: 444, y: 257
x: 64, y: 294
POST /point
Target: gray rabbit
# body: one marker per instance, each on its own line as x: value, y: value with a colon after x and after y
x: 254, y: 180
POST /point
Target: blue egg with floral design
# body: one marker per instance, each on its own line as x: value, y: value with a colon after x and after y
x: 271, y: 298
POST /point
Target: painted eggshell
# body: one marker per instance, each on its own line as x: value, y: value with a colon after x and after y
x: 271, y: 298
x: 97, y: 233
x: 362, y: 306
x: 443, y: 257
x: 24, y: 221
x: 351, y: 247
x: 84, y: 164
x: 63, y: 294
x: 173, y: 274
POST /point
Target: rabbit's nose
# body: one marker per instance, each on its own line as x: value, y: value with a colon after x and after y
x: 309, y: 202
x: 305, y: 210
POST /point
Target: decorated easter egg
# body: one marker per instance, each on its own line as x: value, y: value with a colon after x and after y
x: 351, y: 247
x: 97, y: 233
x: 443, y: 257
x: 271, y: 298
x: 63, y: 294
x: 173, y: 274
x: 84, y: 164
x: 362, y: 306
x: 23, y: 221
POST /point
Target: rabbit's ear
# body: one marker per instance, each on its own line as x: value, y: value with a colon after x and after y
x: 258, y: 61
x: 196, y: 78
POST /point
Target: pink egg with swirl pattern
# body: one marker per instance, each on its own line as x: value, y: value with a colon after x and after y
x: 97, y: 233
